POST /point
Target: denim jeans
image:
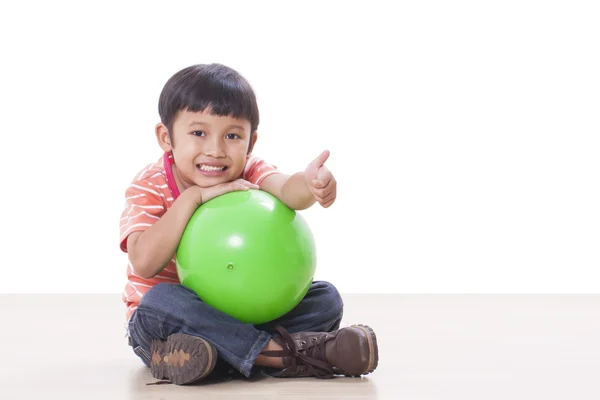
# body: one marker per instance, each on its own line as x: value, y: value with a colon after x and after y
x: 169, y: 308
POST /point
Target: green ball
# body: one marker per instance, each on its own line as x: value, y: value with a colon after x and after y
x: 248, y: 255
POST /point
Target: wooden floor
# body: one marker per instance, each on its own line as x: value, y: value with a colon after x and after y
x: 431, y: 347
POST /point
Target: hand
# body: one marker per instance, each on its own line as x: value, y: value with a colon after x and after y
x: 320, y: 180
x: 205, y: 194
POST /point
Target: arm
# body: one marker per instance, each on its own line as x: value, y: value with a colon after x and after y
x: 291, y: 190
x: 151, y: 250
x: 303, y: 189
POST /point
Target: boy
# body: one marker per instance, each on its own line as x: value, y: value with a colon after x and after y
x: 209, y: 118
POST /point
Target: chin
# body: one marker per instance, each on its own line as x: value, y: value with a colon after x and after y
x: 206, y: 183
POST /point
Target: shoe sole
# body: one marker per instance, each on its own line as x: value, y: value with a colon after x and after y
x: 373, y: 350
x: 182, y: 358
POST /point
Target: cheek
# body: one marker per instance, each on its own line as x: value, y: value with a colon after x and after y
x: 239, y: 159
x: 239, y: 151
x: 184, y: 155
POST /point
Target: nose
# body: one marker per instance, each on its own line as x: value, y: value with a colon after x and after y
x: 214, y: 147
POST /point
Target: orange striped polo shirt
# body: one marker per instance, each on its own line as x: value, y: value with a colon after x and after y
x: 147, y: 198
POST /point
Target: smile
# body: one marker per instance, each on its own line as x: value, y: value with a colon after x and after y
x: 211, y: 168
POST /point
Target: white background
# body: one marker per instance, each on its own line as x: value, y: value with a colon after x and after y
x: 464, y: 135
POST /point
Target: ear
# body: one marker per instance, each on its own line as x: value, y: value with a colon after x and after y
x: 162, y: 136
x: 252, y: 142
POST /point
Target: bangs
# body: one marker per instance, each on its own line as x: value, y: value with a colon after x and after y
x: 216, y: 87
x: 227, y: 98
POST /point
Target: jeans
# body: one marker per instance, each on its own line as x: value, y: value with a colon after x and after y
x: 169, y: 308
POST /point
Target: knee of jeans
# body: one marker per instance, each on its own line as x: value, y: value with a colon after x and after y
x: 333, y: 300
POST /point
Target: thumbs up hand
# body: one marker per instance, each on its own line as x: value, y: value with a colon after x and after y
x: 320, y: 180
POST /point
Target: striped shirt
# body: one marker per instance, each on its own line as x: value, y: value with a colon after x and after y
x: 147, y: 198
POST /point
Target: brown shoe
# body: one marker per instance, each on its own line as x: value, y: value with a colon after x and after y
x: 182, y: 358
x: 350, y: 351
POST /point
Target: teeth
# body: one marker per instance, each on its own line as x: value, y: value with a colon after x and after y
x: 211, y: 168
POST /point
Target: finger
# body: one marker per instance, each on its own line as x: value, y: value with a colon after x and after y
x: 325, y: 195
x: 324, y: 174
x: 321, y: 193
x: 318, y: 184
x: 323, y: 179
x: 247, y: 183
x: 318, y: 162
x: 239, y: 186
x: 327, y: 200
x: 328, y: 203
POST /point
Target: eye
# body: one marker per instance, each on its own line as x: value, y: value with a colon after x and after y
x: 233, y: 136
x: 198, y: 133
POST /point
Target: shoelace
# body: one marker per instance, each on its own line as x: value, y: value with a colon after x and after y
x: 162, y: 382
x: 313, y: 359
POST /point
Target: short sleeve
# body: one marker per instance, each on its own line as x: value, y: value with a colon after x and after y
x: 144, y: 205
x: 258, y: 169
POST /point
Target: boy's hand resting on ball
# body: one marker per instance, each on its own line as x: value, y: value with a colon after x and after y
x: 320, y: 180
x: 204, y: 194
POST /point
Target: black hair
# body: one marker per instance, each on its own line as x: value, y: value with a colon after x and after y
x: 214, y: 86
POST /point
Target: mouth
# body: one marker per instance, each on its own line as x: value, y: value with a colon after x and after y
x: 211, y: 167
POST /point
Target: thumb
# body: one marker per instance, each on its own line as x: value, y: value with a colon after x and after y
x: 317, y: 163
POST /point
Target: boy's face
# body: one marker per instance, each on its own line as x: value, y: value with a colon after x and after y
x: 207, y: 149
